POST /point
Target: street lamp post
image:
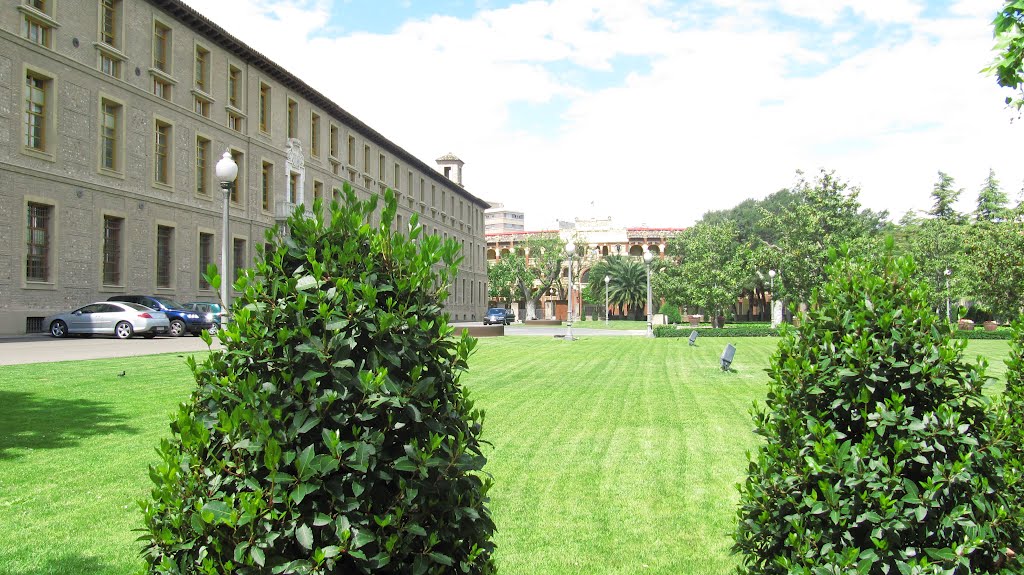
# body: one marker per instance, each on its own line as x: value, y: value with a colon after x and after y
x: 771, y: 284
x: 606, y: 280
x: 947, y: 272
x: 570, y: 249
x: 648, y: 258
x: 227, y: 171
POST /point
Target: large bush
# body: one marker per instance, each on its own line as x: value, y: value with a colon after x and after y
x: 879, y: 455
x: 331, y: 434
x: 1012, y: 425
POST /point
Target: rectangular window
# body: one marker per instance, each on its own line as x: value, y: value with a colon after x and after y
x: 161, y: 47
x: 205, y: 257
x: 264, y: 108
x: 238, y: 258
x: 112, y: 245
x: 36, y: 89
x: 267, y: 185
x: 366, y: 159
x: 202, y: 69
x: 202, y: 166
x: 293, y: 118
x: 398, y: 176
x: 201, y: 106
x: 36, y: 31
x: 318, y: 190
x: 433, y: 196
x: 164, y: 256
x: 351, y: 151
x: 162, y: 153
x: 314, y: 134
x: 239, y: 185
x: 334, y: 141
x: 37, y: 253
x: 381, y: 167
x: 293, y: 188
x: 110, y: 22
x: 161, y: 88
x: 235, y: 87
x: 110, y: 135
x: 110, y: 66
x: 235, y: 122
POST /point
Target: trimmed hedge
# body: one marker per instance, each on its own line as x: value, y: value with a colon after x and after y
x: 880, y: 453
x: 749, y: 330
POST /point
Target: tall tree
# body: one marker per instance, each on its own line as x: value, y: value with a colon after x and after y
x: 992, y: 201
x: 944, y: 195
x: 827, y: 215
x: 706, y: 269
x: 529, y: 275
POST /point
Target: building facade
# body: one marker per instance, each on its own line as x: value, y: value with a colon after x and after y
x: 499, y: 220
x: 113, y: 114
x: 601, y: 237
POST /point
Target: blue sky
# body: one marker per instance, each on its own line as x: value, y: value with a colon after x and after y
x: 656, y: 111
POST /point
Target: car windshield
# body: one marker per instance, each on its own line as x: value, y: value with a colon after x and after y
x: 496, y: 310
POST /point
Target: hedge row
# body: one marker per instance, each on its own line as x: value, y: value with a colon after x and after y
x: 762, y: 330
x: 749, y: 330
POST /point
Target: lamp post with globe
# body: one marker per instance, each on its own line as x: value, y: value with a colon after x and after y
x: 606, y: 280
x: 648, y: 258
x: 570, y: 249
x: 226, y: 170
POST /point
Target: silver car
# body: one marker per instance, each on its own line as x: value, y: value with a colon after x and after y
x: 117, y: 318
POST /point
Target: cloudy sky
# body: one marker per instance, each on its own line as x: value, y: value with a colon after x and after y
x: 655, y: 111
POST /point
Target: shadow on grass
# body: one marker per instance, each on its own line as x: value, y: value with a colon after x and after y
x: 33, y: 422
x: 68, y: 565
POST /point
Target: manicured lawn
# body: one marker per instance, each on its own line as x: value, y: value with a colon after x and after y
x: 610, y: 455
x: 613, y: 324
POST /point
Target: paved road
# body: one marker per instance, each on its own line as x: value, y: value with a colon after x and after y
x: 39, y: 348
x: 43, y: 348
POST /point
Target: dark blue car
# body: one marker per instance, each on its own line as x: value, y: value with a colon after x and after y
x: 182, y: 320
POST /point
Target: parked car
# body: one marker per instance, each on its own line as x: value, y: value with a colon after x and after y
x: 499, y: 315
x: 120, y: 319
x: 182, y: 320
x: 213, y: 310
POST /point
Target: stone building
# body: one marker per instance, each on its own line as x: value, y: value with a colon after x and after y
x: 499, y: 219
x: 602, y: 238
x: 113, y: 114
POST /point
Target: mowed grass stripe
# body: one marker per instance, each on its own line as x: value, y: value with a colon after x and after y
x: 609, y: 454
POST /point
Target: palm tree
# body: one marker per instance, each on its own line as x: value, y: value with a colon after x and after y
x: 628, y: 285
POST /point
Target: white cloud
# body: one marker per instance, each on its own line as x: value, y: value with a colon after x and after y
x: 715, y: 118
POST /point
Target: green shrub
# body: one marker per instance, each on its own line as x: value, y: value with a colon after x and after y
x: 671, y: 312
x: 978, y: 333
x: 879, y: 456
x: 331, y: 434
x: 748, y: 330
x: 1012, y: 425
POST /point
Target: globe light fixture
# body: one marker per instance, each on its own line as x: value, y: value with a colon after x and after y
x: 226, y: 171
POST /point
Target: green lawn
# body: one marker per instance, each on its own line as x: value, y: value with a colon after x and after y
x: 610, y: 455
x: 619, y: 324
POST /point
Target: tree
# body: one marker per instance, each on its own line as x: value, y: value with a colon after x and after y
x: 826, y: 215
x: 627, y: 288
x: 530, y: 275
x: 1008, y: 28
x: 330, y: 434
x: 880, y: 454
x: 991, y: 266
x: 992, y: 201
x: 706, y: 269
x: 943, y: 198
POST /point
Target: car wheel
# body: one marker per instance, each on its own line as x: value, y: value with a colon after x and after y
x: 123, y: 330
x: 58, y: 329
x: 177, y: 328
x: 213, y: 329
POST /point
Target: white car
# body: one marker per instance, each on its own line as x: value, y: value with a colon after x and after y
x: 117, y: 318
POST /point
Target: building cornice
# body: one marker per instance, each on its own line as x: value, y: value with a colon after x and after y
x: 207, y: 28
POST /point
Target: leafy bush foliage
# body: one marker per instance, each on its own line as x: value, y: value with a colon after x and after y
x: 1012, y: 424
x: 671, y: 312
x: 331, y: 434
x: 879, y: 453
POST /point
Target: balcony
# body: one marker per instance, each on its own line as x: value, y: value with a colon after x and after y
x: 283, y: 210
